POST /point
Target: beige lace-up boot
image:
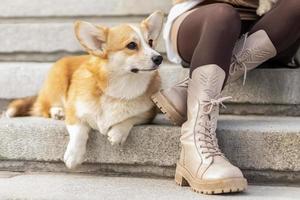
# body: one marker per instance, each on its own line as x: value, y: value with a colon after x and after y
x: 172, y: 102
x: 249, y: 53
x: 201, y: 164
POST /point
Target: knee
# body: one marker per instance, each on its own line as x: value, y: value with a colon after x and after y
x: 224, y: 13
x: 225, y: 17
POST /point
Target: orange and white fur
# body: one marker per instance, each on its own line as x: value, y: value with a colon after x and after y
x: 108, y: 90
x: 265, y: 6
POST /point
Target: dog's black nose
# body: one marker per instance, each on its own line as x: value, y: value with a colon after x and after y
x: 157, y: 59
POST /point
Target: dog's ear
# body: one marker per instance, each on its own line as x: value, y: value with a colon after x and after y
x: 152, y: 26
x: 91, y: 37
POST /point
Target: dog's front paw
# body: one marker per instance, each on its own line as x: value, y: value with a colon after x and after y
x: 264, y: 8
x: 117, y: 137
x: 74, y: 156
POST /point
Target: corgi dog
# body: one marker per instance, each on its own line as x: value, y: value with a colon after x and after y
x: 108, y: 90
x: 265, y: 6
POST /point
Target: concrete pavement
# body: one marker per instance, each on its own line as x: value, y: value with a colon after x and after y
x: 69, y: 186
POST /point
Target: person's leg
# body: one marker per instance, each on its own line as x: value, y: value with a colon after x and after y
x: 206, y: 38
x: 282, y: 24
x: 203, y: 38
x: 270, y: 36
x: 288, y: 57
x: 207, y: 41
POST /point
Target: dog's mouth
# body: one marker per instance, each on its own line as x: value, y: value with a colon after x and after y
x: 136, y: 70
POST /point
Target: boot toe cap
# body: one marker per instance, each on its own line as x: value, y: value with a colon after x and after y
x: 216, y: 172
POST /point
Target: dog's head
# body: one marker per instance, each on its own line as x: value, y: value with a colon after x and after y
x: 127, y: 48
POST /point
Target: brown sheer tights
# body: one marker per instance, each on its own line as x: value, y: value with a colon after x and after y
x: 208, y: 35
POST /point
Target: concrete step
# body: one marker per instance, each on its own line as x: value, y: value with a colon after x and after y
x: 48, y: 186
x: 24, y: 41
x: 40, y: 30
x: 28, y: 29
x: 77, y: 8
x: 265, y: 148
x: 267, y: 91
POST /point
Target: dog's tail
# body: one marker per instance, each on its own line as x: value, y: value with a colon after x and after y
x: 20, y: 107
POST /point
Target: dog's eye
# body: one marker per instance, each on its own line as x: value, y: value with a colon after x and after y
x: 132, y: 46
x: 150, y: 43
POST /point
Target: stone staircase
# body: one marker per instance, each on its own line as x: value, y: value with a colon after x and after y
x: 259, y: 131
x: 266, y: 148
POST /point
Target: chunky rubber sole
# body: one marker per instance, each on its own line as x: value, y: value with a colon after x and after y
x: 167, y: 109
x: 184, y: 178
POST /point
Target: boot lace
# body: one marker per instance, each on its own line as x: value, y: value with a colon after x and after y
x: 210, y: 140
x: 215, y: 102
x: 237, y: 63
x: 184, y: 83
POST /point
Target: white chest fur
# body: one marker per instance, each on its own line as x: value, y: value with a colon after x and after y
x: 122, y: 100
x: 111, y: 111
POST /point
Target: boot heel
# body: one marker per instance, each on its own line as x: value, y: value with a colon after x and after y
x: 180, y: 180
